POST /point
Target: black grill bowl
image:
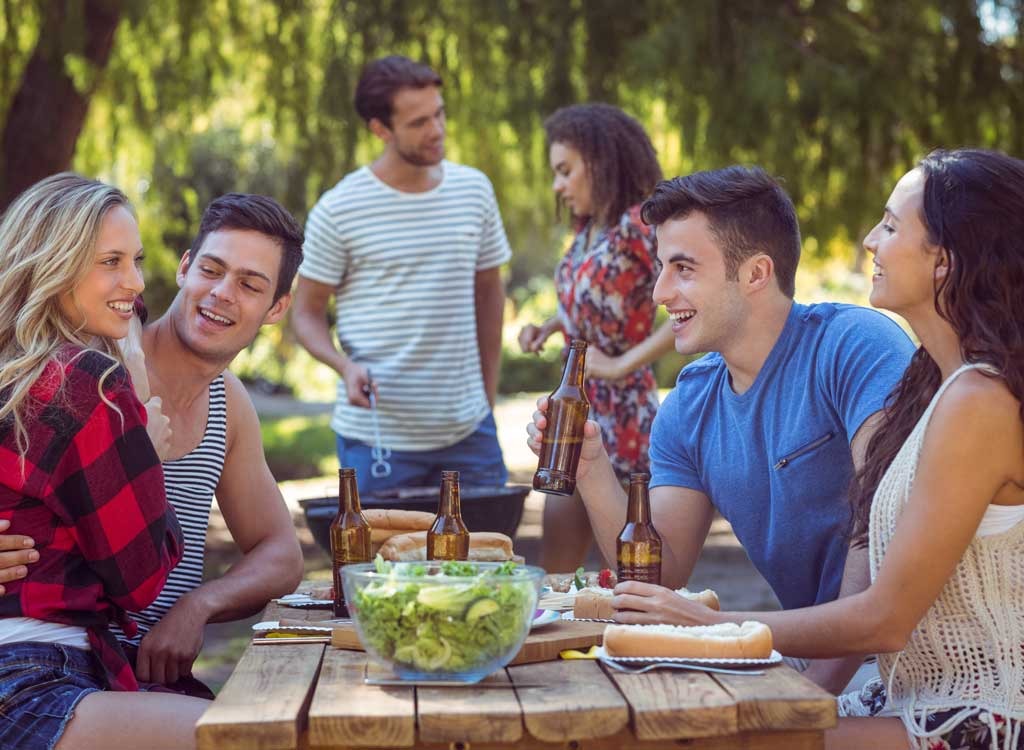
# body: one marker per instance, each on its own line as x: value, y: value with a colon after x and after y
x: 483, y: 508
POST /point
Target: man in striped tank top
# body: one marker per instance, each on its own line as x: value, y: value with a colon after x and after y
x: 236, y: 278
x: 410, y: 247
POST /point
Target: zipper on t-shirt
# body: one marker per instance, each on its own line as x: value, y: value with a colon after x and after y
x: 786, y: 460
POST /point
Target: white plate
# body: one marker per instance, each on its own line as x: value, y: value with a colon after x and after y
x: 276, y: 625
x: 568, y: 616
x: 775, y: 658
x: 546, y: 617
x: 302, y: 600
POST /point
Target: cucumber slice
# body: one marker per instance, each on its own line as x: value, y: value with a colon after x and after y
x: 431, y: 655
x: 481, y: 608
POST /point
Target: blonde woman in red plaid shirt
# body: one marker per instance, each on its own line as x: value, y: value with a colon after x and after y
x: 79, y: 474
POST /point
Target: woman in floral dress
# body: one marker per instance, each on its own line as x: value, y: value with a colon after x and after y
x: 604, y: 166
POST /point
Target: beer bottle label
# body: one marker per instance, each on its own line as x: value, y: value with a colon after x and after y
x: 448, y: 546
x: 639, y: 561
x: 650, y: 573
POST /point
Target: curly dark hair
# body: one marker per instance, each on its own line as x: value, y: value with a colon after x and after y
x: 616, y: 151
x: 973, y: 208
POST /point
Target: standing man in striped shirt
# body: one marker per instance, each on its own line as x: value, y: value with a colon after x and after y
x: 410, y: 247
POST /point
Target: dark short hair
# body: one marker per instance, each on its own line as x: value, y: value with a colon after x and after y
x: 381, y: 80
x: 747, y: 210
x: 257, y: 213
x: 616, y: 151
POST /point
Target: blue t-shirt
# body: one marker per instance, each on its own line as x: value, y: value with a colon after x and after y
x: 775, y: 461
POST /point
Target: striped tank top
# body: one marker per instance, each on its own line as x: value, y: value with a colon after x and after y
x: 190, y: 481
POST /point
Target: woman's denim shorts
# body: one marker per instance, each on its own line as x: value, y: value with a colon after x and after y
x: 40, y: 685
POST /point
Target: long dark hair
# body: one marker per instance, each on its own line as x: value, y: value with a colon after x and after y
x: 618, y: 154
x: 973, y: 209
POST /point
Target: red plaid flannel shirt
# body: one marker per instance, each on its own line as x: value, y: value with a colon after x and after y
x: 92, y: 497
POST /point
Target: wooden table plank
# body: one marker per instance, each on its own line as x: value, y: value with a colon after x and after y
x: 625, y: 740
x: 780, y: 699
x: 263, y: 704
x: 347, y: 712
x: 581, y: 702
x: 465, y: 714
x: 677, y: 705
x: 545, y: 643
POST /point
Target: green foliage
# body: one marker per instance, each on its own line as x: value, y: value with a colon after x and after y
x: 530, y: 373
x: 298, y: 447
x: 838, y: 98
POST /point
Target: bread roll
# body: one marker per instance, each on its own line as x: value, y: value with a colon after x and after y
x: 593, y: 603
x: 484, y: 546
x: 489, y: 546
x: 386, y: 523
x: 707, y: 597
x: 751, y: 640
x: 385, y: 520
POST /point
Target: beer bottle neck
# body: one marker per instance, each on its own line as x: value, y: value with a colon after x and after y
x: 451, y: 504
x: 639, y: 510
x: 575, y: 368
x: 348, y: 496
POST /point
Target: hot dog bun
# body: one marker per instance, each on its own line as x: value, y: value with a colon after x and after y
x: 751, y: 640
x: 385, y: 523
x: 594, y: 603
x: 707, y: 597
x: 484, y: 546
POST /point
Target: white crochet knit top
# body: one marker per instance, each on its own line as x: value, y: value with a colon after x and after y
x: 968, y: 650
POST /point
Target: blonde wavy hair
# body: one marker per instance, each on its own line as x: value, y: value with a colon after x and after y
x: 47, y: 245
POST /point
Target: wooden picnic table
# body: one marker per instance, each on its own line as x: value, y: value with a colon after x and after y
x: 312, y: 695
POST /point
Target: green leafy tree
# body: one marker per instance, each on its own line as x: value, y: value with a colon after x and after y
x: 178, y: 101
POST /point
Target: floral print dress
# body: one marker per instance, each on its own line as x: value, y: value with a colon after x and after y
x: 605, y: 297
x: 980, y: 730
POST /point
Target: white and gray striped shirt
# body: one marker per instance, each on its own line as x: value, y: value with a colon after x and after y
x: 403, y: 266
x: 190, y: 482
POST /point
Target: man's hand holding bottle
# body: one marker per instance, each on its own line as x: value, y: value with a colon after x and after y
x: 592, y: 451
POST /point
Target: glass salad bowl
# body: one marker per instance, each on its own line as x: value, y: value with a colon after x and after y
x: 442, y: 621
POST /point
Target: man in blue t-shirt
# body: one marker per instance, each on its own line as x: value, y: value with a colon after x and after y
x: 770, y: 426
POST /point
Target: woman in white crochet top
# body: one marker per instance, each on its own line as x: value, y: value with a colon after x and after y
x: 940, y: 502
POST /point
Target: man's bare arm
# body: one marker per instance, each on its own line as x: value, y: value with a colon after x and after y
x: 489, y: 293
x: 309, y: 321
x: 257, y: 518
x: 682, y: 516
x: 260, y: 525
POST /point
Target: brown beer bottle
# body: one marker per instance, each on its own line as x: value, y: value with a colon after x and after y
x: 350, y: 535
x: 568, y: 408
x: 448, y: 537
x: 638, y: 548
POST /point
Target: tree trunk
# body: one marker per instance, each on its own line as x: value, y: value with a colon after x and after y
x: 48, y: 111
